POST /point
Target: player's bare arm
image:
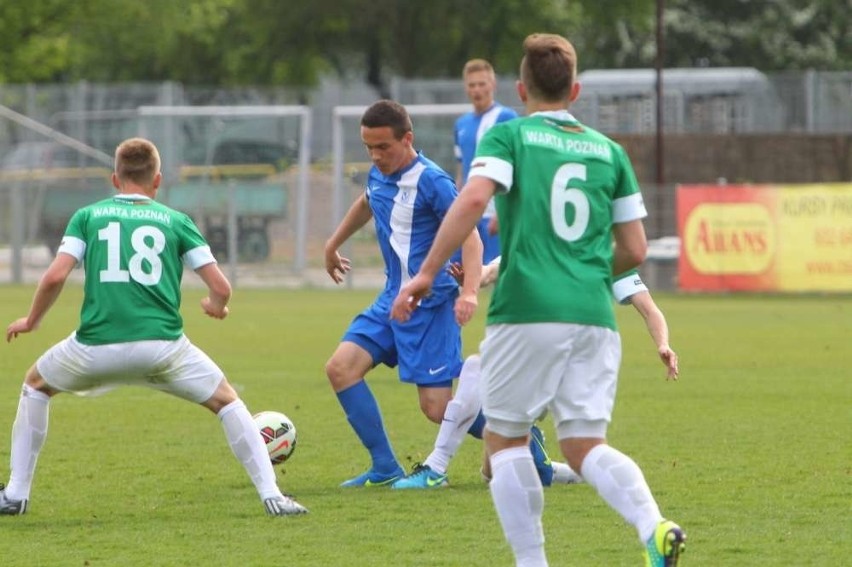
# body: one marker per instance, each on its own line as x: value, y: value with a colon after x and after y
x: 658, y: 329
x: 669, y: 358
x: 49, y: 287
x: 357, y: 216
x: 219, y: 291
x: 631, y: 246
x: 472, y: 263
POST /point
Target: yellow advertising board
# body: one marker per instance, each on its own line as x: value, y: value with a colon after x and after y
x: 765, y: 237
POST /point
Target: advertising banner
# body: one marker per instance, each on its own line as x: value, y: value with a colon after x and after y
x: 765, y: 237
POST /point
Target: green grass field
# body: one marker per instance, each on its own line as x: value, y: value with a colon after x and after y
x: 749, y: 451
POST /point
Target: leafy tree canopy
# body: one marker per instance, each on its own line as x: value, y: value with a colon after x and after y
x: 233, y: 42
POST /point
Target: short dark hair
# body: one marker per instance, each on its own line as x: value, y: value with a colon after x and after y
x: 549, y: 66
x: 137, y: 160
x: 388, y: 113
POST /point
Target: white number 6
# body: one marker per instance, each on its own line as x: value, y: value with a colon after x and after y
x: 561, y: 194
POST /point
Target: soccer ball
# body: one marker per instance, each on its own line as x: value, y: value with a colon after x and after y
x: 279, y: 434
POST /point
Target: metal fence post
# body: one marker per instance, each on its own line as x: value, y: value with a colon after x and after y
x: 233, y: 232
x: 17, y: 236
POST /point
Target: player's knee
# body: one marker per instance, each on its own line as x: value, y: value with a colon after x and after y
x: 496, y: 442
x: 578, y: 437
x: 222, y: 396
x: 432, y: 412
x: 338, y: 374
x: 576, y: 449
x: 434, y: 408
x: 348, y: 365
x: 34, y: 380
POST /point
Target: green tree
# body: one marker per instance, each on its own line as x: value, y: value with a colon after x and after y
x: 250, y: 42
x: 772, y: 35
x: 35, y: 39
x: 127, y: 40
x: 275, y: 41
x: 615, y: 34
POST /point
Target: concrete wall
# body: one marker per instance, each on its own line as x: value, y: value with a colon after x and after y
x: 743, y: 158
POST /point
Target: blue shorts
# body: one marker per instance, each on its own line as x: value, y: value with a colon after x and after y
x: 490, y: 243
x: 427, y: 347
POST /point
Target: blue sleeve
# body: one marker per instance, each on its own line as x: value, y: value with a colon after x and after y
x: 441, y: 191
x: 507, y: 114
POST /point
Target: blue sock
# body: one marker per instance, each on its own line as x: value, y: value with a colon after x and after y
x: 363, y: 414
x: 477, y: 426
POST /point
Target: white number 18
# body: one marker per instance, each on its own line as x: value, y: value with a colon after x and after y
x: 114, y: 273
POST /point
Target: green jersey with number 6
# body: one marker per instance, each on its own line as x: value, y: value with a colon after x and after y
x: 133, y: 250
x: 561, y: 187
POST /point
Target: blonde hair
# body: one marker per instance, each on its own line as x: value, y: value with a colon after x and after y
x: 476, y: 65
x: 549, y: 66
x: 137, y: 161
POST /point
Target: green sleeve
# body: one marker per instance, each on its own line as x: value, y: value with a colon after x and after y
x: 77, y: 225
x: 627, y: 182
x: 190, y: 236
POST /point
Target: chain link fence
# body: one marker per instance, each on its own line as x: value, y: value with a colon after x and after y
x: 56, y: 145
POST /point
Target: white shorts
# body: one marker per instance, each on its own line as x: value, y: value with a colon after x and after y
x: 176, y: 367
x: 570, y: 370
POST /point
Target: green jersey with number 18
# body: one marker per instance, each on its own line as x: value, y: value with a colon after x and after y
x: 133, y: 250
x: 561, y: 187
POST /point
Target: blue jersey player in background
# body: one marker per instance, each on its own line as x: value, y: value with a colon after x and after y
x: 479, y: 85
x: 407, y: 195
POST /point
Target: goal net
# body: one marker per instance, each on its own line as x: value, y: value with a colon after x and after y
x: 242, y: 173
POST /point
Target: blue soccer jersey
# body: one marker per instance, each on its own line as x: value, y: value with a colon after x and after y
x: 471, y: 127
x: 408, y: 207
x: 469, y: 130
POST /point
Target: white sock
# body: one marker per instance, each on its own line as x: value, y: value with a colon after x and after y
x: 248, y: 447
x: 458, y: 417
x: 28, y: 434
x: 519, y: 500
x: 563, y: 474
x: 621, y: 484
